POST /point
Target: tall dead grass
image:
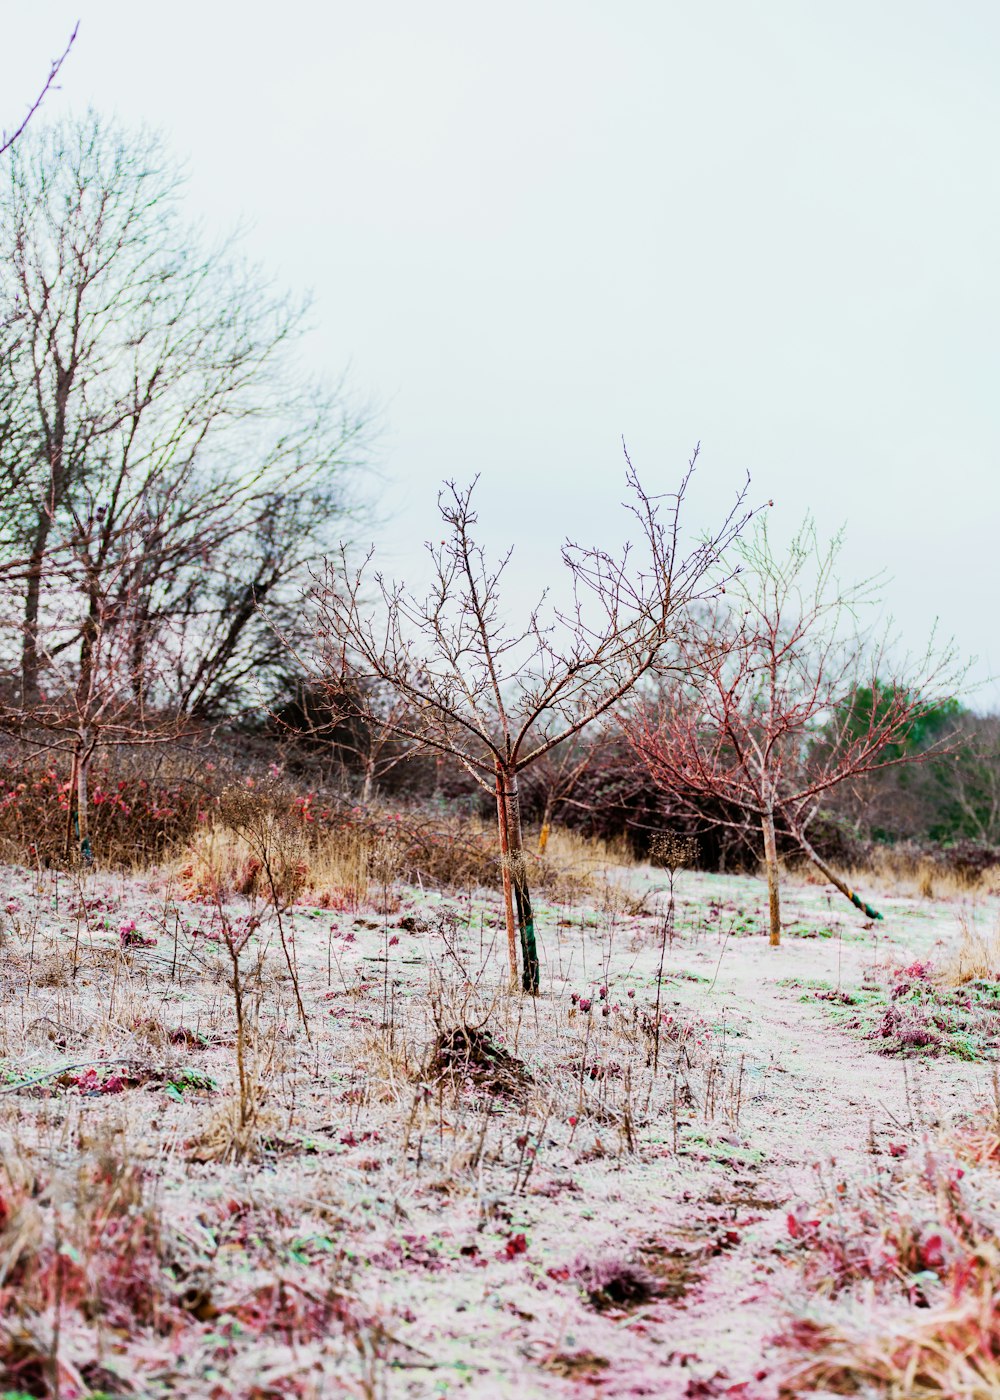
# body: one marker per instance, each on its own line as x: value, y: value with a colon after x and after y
x: 900, y: 870
x: 577, y: 867
x: 975, y: 959
x: 922, y: 878
x: 343, y: 865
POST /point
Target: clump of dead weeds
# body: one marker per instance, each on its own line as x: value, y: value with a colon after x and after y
x: 914, y: 1222
x: 619, y: 1282
x: 97, y: 1284
x: 951, y: 1349
x: 238, y: 1126
x: 468, y: 1055
x: 612, y: 1281
x: 975, y: 959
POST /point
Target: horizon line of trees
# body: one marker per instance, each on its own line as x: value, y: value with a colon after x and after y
x: 595, y: 785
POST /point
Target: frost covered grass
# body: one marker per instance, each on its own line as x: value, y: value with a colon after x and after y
x: 257, y: 1144
x: 913, y: 1250
x: 922, y: 1009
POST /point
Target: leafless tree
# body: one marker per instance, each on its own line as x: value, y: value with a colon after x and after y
x: 498, y: 698
x: 760, y: 715
x: 166, y: 469
x: 93, y: 692
x: 335, y: 722
x: 974, y: 776
x: 556, y: 777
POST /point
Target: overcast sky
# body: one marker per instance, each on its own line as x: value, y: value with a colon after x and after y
x: 534, y: 229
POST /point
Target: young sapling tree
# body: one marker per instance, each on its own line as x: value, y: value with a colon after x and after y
x: 496, y: 697
x: 759, y: 714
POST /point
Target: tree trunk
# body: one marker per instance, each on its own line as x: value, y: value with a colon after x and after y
x: 82, y: 806
x: 825, y: 870
x: 522, y: 895
x: 369, y: 781
x: 85, y: 686
x: 70, y: 807
x: 508, y: 896
x: 30, y: 663
x: 771, y: 861
x: 140, y: 639
x: 30, y: 660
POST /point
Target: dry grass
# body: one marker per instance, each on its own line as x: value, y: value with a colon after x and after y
x: 900, y: 871
x: 226, y: 862
x: 577, y: 868
x: 951, y: 1352
x: 352, y: 866
x: 908, y: 1270
x: 342, y: 869
x: 976, y: 959
x: 884, y: 876
x: 586, y: 856
x: 237, y: 1125
x: 315, y: 1187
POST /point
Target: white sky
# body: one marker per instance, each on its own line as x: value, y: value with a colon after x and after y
x: 535, y: 228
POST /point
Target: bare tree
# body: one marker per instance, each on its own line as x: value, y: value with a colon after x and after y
x: 93, y: 693
x: 947, y: 797
x: 760, y: 716
x: 166, y: 467
x: 556, y: 777
x: 973, y: 777
x: 334, y: 722
x: 499, y: 698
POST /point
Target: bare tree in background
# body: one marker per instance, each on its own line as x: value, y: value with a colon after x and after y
x: 333, y: 721
x: 556, y: 776
x: 7, y: 141
x: 165, y: 467
x: 948, y: 796
x: 973, y: 777
x: 499, y: 698
x: 96, y: 692
x: 760, y: 715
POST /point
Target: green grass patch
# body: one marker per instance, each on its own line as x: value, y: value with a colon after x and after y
x: 700, y: 1144
x: 914, y: 1016
x: 187, y: 1079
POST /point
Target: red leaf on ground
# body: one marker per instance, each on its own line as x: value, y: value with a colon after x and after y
x: 516, y: 1245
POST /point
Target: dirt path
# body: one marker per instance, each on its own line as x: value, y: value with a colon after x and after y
x: 819, y: 1099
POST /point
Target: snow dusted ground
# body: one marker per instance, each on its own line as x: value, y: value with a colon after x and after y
x: 570, y: 1223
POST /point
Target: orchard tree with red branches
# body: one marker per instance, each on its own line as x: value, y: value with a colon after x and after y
x: 498, y: 697
x: 758, y: 713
